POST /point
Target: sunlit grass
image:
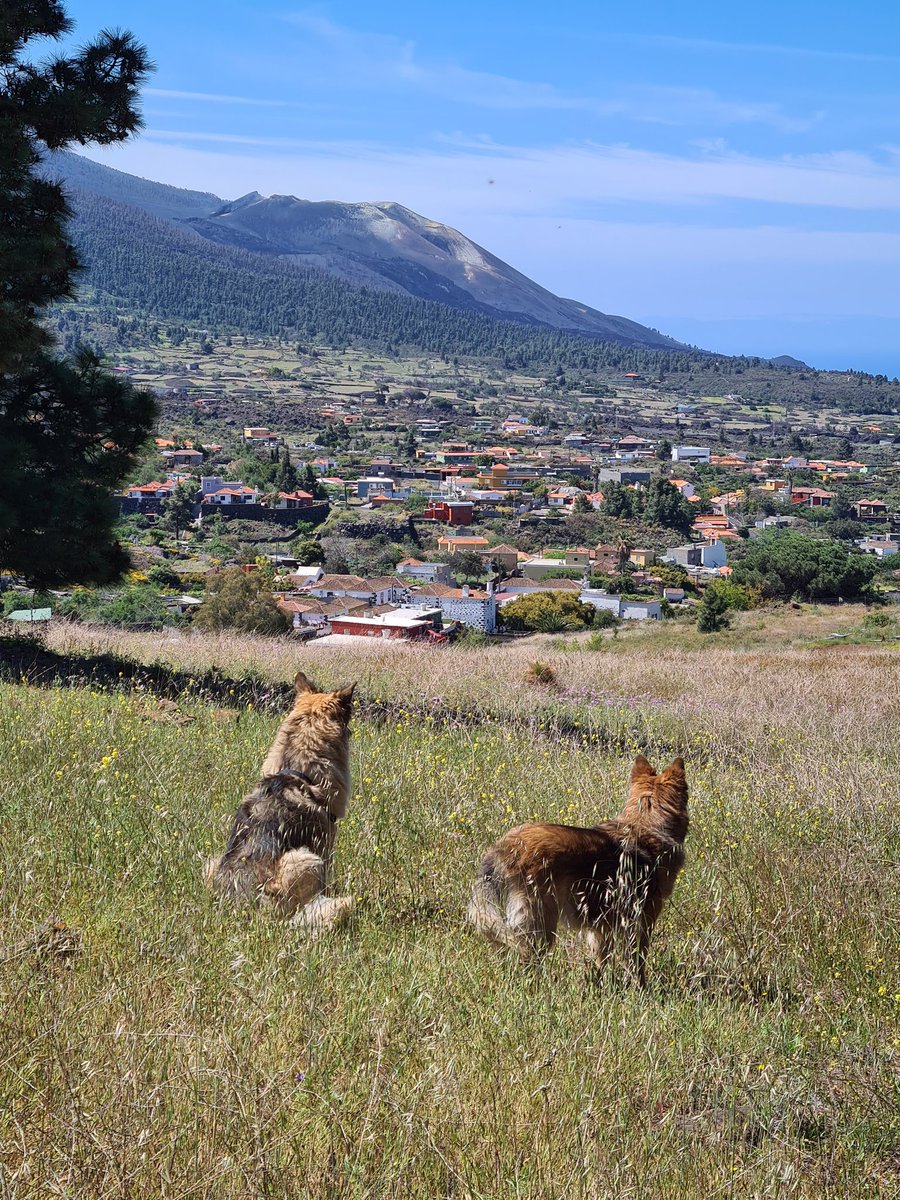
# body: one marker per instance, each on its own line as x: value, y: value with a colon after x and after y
x: 190, y: 1051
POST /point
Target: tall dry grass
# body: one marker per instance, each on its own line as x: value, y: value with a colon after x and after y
x: 187, y: 1051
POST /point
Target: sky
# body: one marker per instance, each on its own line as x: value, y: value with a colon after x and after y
x: 729, y: 174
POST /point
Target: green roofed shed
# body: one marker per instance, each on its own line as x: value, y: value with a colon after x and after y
x: 30, y: 614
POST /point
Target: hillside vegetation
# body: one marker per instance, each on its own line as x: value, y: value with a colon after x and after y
x: 183, y: 1050
x: 143, y: 261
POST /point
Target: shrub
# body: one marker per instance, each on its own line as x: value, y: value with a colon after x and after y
x: 548, y: 612
x: 235, y: 600
x: 738, y: 596
x: 472, y: 639
x: 164, y: 577
x: 541, y: 673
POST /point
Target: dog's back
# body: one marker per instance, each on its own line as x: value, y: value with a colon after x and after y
x: 602, y: 879
x: 283, y: 833
x: 283, y: 813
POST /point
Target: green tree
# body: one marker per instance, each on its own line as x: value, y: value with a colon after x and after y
x: 235, y: 600
x: 664, y: 450
x: 467, y: 566
x: 286, y: 478
x: 177, y: 510
x: 547, y: 612
x: 712, y: 615
x: 165, y: 577
x: 665, y: 505
x: 308, y: 552
x: 69, y: 431
x: 619, y: 501
x: 783, y: 563
x: 736, y: 595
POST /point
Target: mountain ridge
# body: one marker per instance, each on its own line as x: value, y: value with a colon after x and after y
x: 381, y: 245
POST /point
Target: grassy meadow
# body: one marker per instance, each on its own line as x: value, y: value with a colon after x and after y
x: 184, y: 1050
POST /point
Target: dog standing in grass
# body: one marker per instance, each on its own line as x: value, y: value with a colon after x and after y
x: 282, y: 839
x: 611, y: 879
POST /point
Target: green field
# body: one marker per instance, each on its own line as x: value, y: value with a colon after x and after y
x: 189, y: 1051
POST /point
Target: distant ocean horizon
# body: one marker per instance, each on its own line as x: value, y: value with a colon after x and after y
x: 869, y: 344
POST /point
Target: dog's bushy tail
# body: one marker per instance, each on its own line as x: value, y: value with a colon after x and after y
x: 486, y: 908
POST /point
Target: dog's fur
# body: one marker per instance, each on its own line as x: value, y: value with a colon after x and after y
x: 612, y: 878
x: 282, y: 839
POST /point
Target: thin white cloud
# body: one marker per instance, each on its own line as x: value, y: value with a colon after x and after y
x: 381, y: 62
x: 213, y: 98
x: 564, y: 179
x: 716, y: 46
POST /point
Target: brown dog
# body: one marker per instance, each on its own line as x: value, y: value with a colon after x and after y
x: 611, y: 878
x: 282, y: 839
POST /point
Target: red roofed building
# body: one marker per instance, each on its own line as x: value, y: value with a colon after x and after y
x: 450, y: 512
x: 151, y: 491
x: 241, y: 494
x: 297, y: 499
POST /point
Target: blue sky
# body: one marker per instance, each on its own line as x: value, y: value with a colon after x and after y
x: 727, y: 173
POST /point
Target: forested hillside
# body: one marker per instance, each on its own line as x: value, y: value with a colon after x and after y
x: 172, y: 272
x: 148, y: 265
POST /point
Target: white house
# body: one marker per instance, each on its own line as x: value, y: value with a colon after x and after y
x: 233, y: 494
x: 302, y: 576
x: 699, y: 554
x: 426, y: 572
x: 694, y: 454
x: 881, y: 545
x: 628, y: 610
x: 469, y: 606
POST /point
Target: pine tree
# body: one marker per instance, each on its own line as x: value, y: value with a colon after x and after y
x: 712, y: 616
x: 177, y: 510
x: 69, y: 431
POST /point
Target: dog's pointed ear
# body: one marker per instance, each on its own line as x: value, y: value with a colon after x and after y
x: 302, y: 684
x: 345, y: 696
x: 641, y: 767
x: 675, y: 769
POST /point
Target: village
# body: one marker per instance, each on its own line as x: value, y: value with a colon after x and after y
x: 447, y: 535
x: 426, y: 500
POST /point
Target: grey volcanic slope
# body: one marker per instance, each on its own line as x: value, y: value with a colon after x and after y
x: 387, y: 246
x: 383, y: 246
x: 158, y: 199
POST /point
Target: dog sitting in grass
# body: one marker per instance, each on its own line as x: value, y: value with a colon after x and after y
x: 609, y: 880
x: 282, y: 839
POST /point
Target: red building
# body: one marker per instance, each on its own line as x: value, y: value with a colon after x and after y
x: 451, y: 512
x: 406, y: 626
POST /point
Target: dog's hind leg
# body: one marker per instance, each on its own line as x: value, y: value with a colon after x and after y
x: 211, y: 869
x: 600, y: 942
x: 324, y: 912
x: 298, y: 878
x: 531, y: 921
x: 642, y: 946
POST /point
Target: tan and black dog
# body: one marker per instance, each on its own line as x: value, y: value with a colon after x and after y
x: 282, y: 839
x: 610, y: 879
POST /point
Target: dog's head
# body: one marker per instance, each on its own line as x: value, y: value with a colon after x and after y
x: 308, y: 699
x: 658, y: 797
